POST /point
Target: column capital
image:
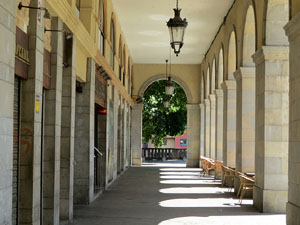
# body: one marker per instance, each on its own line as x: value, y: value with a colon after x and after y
x: 244, y: 72
x: 270, y: 53
x: 206, y: 102
x: 219, y: 93
x: 292, y: 28
x: 212, y: 97
x: 229, y: 85
x: 193, y: 106
x: 202, y: 106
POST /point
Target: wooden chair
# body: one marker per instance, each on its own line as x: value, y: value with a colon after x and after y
x: 247, y: 184
x: 218, y: 168
x: 228, y: 172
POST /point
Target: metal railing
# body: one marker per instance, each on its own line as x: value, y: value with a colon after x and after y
x: 163, y: 153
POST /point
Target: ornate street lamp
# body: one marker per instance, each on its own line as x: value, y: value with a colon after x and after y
x: 177, y: 28
x: 169, y: 85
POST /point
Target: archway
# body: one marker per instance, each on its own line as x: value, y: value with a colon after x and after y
x: 245, y: 113
x: 232, y: 56
x: 229, y: 152
x: 193, y: 123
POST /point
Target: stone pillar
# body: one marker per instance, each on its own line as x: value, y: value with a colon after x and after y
x: 229, y: 87
x: 68, y: 134
x: 136, y: 134
x: 52, y: 130
x: 31, y: 125
x: 293, y: 205
x: 7, y: 59
x: 271, y: 129
x: 84, y: 139
x: 245, y: 124
x: 202, y: 129
x: 219, y: 123
x: 212, y: 99
x: 193, y: 134
x: 207, y: 128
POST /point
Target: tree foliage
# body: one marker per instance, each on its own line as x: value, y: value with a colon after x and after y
x: 158, y: 121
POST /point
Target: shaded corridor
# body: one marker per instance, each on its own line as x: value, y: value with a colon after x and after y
x: 169, y: 194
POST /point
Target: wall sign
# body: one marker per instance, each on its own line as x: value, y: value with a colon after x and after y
x: 22, y: 61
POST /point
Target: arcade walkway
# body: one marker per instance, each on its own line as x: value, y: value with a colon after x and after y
x: 169, y: 194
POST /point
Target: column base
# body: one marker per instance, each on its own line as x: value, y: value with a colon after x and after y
x: 192, y: 163
x: 292, y: 214
x: 270, y: 201
x: 137, y: 162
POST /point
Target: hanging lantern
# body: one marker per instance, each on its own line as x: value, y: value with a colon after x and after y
x: 169, y: 86
x: 166, y: 102
x: 177, y: 28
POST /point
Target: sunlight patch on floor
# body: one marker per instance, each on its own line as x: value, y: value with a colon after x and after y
x: 190, y: 182
x: 180, y: 173
x: 203, y: 202
x: 193, y: 190
x: 228, y: 220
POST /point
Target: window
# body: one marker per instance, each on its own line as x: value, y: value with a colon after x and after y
x: 182, y: 142
x: 165, y: 141
x: 112, y: 40
x: 77, y: 4
x: 101, y: 26
x: 120, y: 57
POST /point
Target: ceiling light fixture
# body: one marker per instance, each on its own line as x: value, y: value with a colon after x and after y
x: 177, y: 28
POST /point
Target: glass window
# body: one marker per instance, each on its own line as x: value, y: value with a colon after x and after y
x: 182, y: 142
x: 101, y: 26
x: 112, y: 40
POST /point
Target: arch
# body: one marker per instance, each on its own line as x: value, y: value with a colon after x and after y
x: 277, y: 16
x: 249, y: 38
x: 175, y: 78
x: 213, y: 76
x: 124, y: 57
x: 232, y: 56
x: 113, y: 33
x: 221, y: 68
x: 207, y: 82
x: 120, y: 51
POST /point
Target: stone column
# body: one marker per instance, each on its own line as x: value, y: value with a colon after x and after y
x: 202, y: 129
x: 271, y: 129
x: 207, y: 128
x: 68, y: 133
x: 219, y: 123
x: 31, y: 125
x: 229, y: 87
x: 193, y: 134
x: 7, y: 59
x: 136, y: 134
x: 245, y: 124
x: 84, y: 139
x: 52, y: 130
x: 293, y: 206
x: 212, y: 99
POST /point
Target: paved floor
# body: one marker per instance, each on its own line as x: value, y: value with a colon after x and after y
x: 169, y: 194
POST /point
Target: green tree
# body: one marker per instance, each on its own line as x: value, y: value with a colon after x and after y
x: 158, y: 121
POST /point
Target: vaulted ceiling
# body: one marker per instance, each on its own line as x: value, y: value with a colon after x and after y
x: 144, y: 25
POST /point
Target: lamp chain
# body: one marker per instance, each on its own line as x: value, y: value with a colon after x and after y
x: 177, y: 4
